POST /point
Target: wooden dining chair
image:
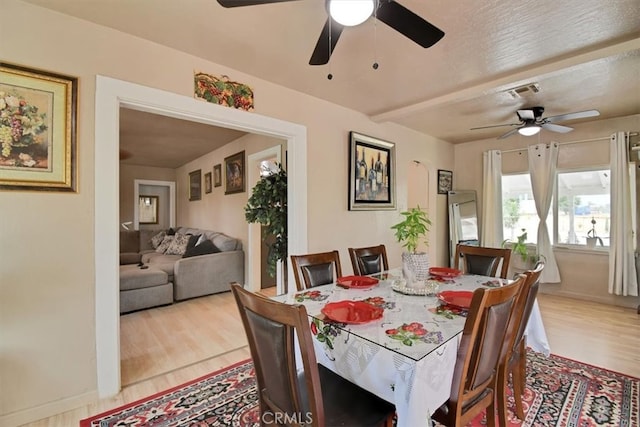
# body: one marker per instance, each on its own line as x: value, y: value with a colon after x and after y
x: 473, y: 388
x: 316, y: 269
x: 515, y: 359
x: 304, y: 392
x: 369, y: 260
x: 482, y: 260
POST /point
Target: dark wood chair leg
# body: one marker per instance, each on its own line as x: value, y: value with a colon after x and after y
x: 501, y: 394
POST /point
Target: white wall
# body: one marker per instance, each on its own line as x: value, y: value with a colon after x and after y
x: 584, y: 273
x: 47, y: 270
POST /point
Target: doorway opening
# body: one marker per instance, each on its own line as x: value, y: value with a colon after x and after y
x: 111, y: 94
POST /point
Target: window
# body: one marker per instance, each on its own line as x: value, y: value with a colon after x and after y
x: 584, y: 207
x: 519, y: 208
x: 582, y: 197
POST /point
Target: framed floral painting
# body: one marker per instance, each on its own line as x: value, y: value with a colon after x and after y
x: 37, y: 129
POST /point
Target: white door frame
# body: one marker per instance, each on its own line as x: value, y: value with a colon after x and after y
x: 254, y: 267
x: 136, y: 195
x: 111, y: 95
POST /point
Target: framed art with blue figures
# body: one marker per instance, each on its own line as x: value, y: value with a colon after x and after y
x: 372, y: 172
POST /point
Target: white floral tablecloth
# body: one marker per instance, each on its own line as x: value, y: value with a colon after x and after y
x: 408, y: 356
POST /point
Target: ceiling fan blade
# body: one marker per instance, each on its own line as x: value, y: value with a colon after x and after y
x: 508, y: 134
x: 238, y: 3
x: 526, y: 114
x: 408, y: 23
x: 573, y: 116
x: 556, y: 128
x: 321, y: 53
x: 496, y: 126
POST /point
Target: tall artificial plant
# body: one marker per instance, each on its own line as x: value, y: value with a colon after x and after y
x: 412, y: 229
x: 268, y: 206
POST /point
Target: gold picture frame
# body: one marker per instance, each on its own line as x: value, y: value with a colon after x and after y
x: 234, y: 173
x: 217, y: 175
x: 195, y: 185
x: 38, y: 116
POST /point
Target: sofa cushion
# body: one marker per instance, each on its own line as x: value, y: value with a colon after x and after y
x: 204, y: 248
x: 156, y: 240
x: 132, y: 277
x: 193, y: 240
x: 225, y: 243
x: 130, y: 258
x: 166, y: 242
x: 178, y: 245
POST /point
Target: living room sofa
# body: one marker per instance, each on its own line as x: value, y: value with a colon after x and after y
x: 191, y: 273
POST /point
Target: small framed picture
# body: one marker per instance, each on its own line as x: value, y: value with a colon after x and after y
x: 217, y: 175
x: 234, y: 168
x: 207, y: 182
x: 195, y: 185
x: 445, y: 181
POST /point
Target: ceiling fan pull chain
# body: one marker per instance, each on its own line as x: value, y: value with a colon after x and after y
x: 375, y: 35
x: 330, y: 75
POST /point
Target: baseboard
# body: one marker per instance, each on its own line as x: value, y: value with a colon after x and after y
x: 50, y: 409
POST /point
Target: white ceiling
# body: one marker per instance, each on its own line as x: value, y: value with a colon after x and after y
x: 584, y: 54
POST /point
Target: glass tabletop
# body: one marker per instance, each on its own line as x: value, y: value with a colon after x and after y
x: 411, y: 325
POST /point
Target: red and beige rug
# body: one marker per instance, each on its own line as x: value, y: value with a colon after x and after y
x: 560, y: 392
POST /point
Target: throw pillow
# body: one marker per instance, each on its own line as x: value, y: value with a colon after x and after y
x: 171, y: 232
x: 193, y: 240
x: 157, y: 239
x: 166, y: 241
x: 178, y: 245
x: 204, y: 248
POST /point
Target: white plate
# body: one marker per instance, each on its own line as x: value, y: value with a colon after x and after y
x: 400, y: 286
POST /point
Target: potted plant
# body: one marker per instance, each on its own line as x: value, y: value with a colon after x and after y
x: 592, y: 236
x: 411, y: 231
x: 268, y: 206
x: 524, y: 259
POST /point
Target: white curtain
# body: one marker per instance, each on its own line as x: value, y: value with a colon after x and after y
x: 622, y: 273
x: 492, y: 199
x: 542, y: 169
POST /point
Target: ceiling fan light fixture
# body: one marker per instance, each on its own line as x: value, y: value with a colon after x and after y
x: 350, y: 12
x: 529, y: 130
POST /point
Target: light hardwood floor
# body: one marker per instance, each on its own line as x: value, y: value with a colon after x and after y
x: 593, y: 333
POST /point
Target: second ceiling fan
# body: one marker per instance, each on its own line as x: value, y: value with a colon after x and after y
x: 531, y: 121
x: 390, y: 12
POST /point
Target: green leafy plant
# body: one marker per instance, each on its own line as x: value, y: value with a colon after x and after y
x: 412, y: 229
x: 520, y: 247
x: 268, y: 206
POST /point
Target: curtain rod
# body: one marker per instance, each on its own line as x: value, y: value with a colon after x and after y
x: 604, y: 138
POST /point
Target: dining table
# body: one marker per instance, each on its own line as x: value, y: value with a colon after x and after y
x: 404, y: 348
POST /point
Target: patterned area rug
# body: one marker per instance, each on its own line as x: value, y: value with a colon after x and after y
x: 560, y: 392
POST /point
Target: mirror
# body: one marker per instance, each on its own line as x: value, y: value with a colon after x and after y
x: 148, y: 209
x: 463, y: 220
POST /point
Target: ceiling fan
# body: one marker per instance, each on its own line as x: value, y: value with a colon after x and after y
x: 531, y: 121
x: 356, y: 12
